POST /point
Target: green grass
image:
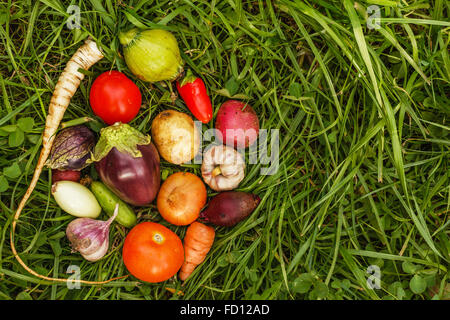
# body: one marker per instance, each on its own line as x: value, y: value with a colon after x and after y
x: 364, y: 144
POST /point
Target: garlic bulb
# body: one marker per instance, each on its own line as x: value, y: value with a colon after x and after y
x: 222, y: 168
x: 90, y: 237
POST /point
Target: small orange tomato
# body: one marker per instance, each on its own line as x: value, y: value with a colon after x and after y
x: 181, y: 197
x: 153, y: 253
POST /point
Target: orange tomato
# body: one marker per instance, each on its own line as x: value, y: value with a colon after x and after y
x: 151, y: 252
x: 181, y: 198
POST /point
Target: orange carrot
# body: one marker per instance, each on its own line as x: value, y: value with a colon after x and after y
x: 86, y: 56
x: 197, y: 243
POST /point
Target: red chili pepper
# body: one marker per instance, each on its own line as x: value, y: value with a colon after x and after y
x: 193, y: 91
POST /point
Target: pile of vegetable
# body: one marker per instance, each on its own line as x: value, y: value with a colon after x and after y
x: 127, y: 163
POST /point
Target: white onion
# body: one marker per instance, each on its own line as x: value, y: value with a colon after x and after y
x: 76, y: 199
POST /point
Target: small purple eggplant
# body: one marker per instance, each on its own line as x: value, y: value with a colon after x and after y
x: 72, y: 148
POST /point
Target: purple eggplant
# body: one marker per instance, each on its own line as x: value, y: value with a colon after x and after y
x: 230, y: 207
x: 128, y: 163
x: 71, y: 148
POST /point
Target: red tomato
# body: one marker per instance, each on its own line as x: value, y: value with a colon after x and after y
x: 152, y: 253
x: 115, y: 98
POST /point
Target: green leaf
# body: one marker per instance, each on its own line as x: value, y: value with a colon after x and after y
x: 79, y: 35
x: 13, y: 171
x: 429, y: 276
x: 33, y: 138
x: 301, y: 286
x: 232, y: 86
x: 41, y: 240
x: 302, y: 283
x: 56, y: 247
x: 295, y: 90
x: 240, y: 96
x: 166, y: 97
x: 26, y: 124
x: 24, y: 296
x: 57, y: 235
x: 332, y: 137
x: 233, y: 256
x: 224, y: 92
x: 16, y: 138
x: 222, y: 261
x: 397, y: 290
x: 417, y: 284
x: 345, y: 284
x: 131, y: 17
x: 251, y: 274
x: 4, y: 185
x: 336, y: 284
x: 320, y: 290
x: 103, y: 13
x: 410, y: 267
x: 9, y: 128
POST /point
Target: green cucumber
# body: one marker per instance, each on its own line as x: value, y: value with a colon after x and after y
x: 107, y: 200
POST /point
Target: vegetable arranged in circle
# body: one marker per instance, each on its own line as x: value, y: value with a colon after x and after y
x: 193, y: 91
x: 222, y: 168
x: 152, y: 252
x: 71, y: 148
x: 176, y: 136
x: 76, y: 199
x: 230, y: 207
x: 197, y: 242
x: 181, y: 198
x: 114, y: 97
x: 128, y: 164
x: 109, y: 200
x: 238, y: 124
x: 152, y: 55
x: 90, y: 237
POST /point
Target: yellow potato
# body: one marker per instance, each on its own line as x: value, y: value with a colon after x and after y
x: 176, y: 137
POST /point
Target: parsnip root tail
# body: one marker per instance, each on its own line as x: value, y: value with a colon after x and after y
x: 85, y: 57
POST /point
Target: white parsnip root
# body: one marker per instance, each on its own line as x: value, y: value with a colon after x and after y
x: 85, y: 57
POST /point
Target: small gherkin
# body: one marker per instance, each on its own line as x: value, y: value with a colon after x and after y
x: 152, y: 54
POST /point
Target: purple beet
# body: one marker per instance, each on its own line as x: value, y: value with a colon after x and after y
x: 230, y: 207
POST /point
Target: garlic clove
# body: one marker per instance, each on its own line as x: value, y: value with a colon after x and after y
x: 90, y: 237
x: 98, y: 253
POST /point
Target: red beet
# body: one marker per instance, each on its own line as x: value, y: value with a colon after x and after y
x: 238, y: 123
x: 70, y: 175
x: 230, y: 207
